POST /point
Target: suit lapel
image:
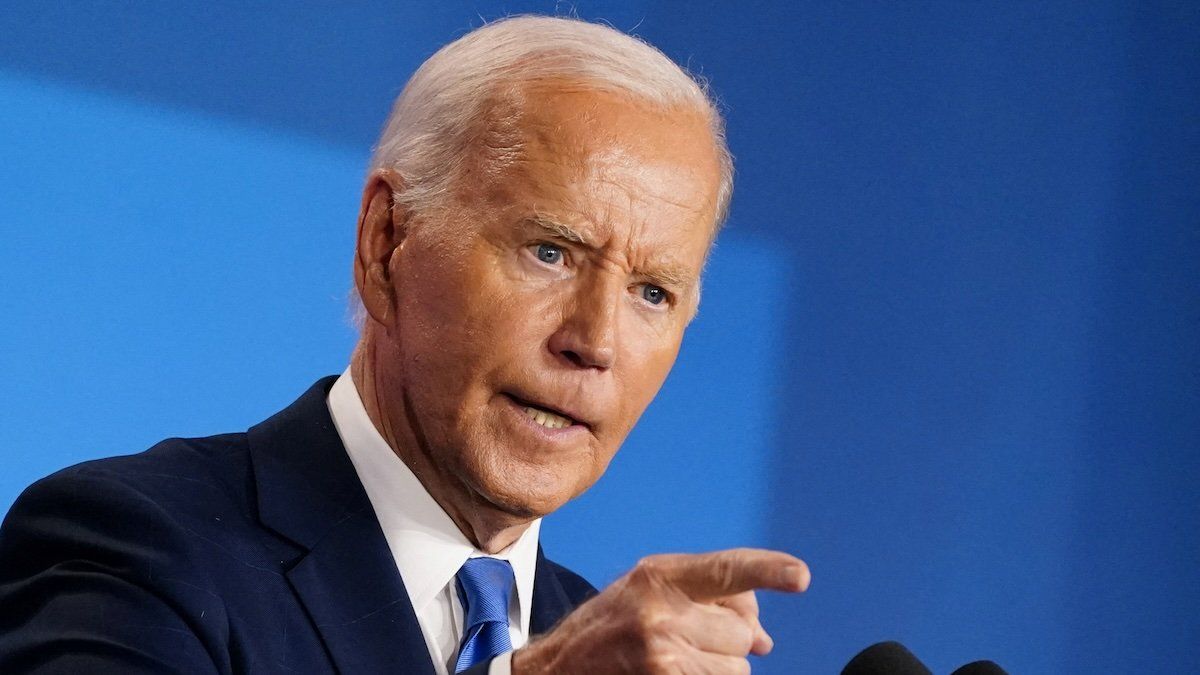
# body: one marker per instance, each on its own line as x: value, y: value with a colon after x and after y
x: 309, y: 493
x: 550, y: 600
x: 358, y: 602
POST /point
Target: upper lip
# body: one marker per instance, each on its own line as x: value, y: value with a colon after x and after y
x: 569, y: 412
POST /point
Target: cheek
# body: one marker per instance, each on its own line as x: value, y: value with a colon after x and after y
x: 449, y: 300
x: 439, y: 349
x: 648, y: 359
x: 465, y: 323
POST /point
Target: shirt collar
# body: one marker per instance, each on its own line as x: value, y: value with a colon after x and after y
x: 428, y: 547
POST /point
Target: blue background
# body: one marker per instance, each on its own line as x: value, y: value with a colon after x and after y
x: 950, y: 345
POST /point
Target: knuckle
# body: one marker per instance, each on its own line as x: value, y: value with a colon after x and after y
x: 652, y: 621
x: 744, y: 604
x: 648, y: 565
x: 662, y: 661
x: 742, y: 635
x: 750, y: 601
x: 647, y: 568
x: 725, y: 571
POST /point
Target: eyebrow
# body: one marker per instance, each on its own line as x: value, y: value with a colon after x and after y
x: 670, y: 276
x: 666, y: 275
x: 555, y: 228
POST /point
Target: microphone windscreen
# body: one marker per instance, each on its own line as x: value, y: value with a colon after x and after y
x: 980, y: 668
x: 890, y: 658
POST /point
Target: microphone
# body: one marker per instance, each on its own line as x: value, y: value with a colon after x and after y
x: 980, y: 668
x: 889, y: 658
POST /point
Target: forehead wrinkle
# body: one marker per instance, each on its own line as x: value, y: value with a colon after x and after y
x: 608, y: 165
x: 608, y: 175
x: 602, y: 177
x: 636, y: 248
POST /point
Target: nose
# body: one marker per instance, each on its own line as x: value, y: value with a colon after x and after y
x: 587, y: 336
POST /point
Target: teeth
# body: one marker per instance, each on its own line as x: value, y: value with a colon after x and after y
x: 547, y: 419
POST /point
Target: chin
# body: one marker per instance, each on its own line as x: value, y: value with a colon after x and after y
x: 526, y: 491
x: 519, y: 507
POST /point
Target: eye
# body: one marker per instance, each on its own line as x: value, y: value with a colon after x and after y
x: 654, y: 295
x: 548, y: 253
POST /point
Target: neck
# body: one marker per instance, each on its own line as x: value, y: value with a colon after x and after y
x: 489, y: 528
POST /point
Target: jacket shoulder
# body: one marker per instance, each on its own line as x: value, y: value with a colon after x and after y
x: 113, y: 551
x: 193, y: 481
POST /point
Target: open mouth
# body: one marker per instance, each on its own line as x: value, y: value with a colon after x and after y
x: 543, y: 415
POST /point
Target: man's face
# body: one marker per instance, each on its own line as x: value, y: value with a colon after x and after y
x: 524, y: 357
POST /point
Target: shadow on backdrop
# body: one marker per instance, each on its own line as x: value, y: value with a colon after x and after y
x: 950, y: 354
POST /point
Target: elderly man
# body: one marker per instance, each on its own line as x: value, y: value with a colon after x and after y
x: 529, y: 251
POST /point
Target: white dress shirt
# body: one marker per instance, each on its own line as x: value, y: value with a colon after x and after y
x: 428, y: 547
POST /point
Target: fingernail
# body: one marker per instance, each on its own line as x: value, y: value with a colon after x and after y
x: 792, y: 577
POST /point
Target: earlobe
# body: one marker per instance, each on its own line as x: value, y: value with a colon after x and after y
x: 382, y: 226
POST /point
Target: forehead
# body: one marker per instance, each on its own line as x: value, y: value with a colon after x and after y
x: 599, y: 161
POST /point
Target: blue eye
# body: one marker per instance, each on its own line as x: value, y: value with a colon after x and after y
x: 653, y: 294
x: 549, y: 254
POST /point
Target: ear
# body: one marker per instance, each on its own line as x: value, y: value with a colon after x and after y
x: 382, y: 226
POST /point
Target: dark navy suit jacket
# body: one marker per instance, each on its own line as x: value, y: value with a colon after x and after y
x: 254, y: 552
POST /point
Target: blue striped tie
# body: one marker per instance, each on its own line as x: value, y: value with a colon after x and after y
x: 484, y: 586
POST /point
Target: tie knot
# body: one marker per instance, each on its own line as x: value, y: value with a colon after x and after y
x: 485, y: 588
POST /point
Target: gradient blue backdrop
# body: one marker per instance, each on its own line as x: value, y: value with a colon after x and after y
x: 950, y: 346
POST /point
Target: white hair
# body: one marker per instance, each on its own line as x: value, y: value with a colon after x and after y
x: 435, y: 123
x: 432, y: 122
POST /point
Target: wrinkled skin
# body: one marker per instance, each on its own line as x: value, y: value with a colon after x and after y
x: 490, y: 304
x: 671, y: 614
x: 464, y: 315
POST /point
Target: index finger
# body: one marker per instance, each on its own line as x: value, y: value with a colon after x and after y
x: 708, y: 576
